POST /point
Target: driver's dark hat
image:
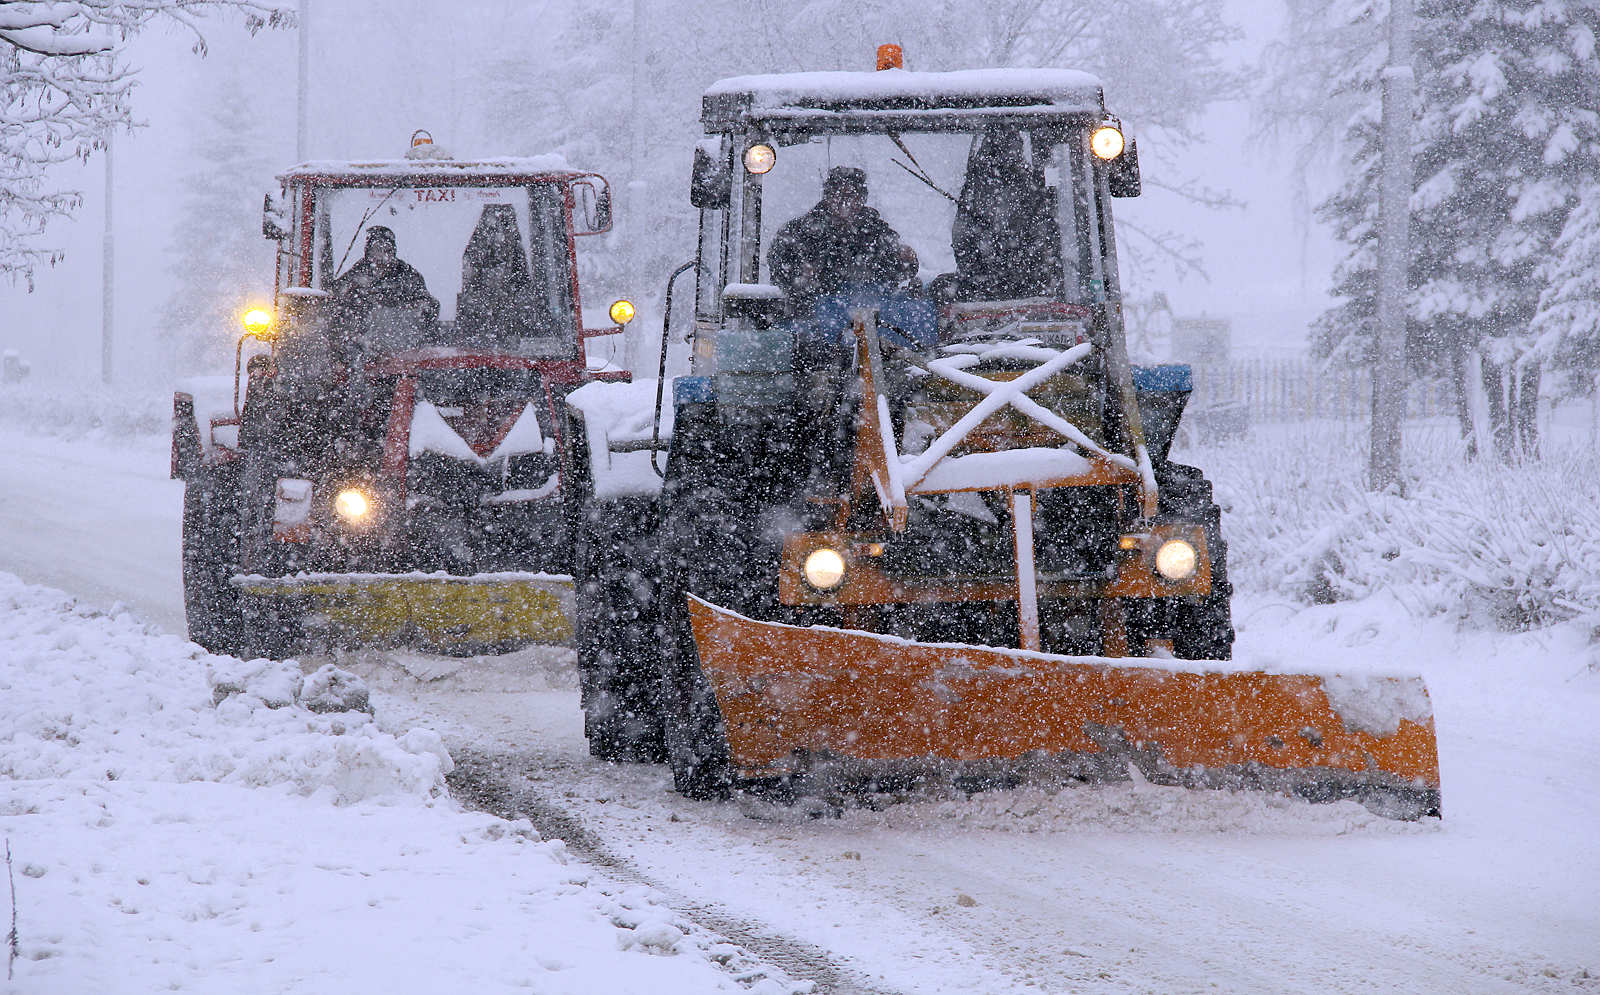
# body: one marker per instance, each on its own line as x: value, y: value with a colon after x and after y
x: 845, y: 178
x: 378, y: 233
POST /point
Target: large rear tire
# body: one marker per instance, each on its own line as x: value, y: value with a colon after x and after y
x: 617, y: 632
x: 703, y: 552
x: 211, y: 527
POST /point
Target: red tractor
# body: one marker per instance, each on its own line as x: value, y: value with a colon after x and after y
x: 404, y: 468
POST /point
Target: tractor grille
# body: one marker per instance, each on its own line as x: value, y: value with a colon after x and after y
x: 951, y: 537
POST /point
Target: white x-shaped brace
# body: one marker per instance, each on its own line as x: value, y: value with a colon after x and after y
x: 905, y: 473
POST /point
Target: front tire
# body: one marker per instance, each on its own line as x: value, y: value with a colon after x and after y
x: 211, y: 526
x: 702, y: 552
x: 617, y: 632
x: 1203, y: 627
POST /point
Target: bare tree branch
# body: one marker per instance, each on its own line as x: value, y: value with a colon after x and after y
x: 64, y: 88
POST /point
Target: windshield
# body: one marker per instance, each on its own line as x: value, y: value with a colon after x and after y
x: 966, y: 216
x: 471, y: 267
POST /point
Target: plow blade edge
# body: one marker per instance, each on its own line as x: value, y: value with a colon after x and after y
x: 445, y: 613
x: 862, y: 702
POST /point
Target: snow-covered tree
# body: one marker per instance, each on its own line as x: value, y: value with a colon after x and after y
x: 222, y: 263
x: 1568, y: 323
x: 64, y: 87
x: 1507, y: 133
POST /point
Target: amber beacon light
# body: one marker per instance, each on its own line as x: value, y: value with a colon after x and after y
x: 890, y: 57
x: 257, y: 323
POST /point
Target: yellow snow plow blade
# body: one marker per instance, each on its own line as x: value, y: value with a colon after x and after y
x: 861, y: 702
x: 440, y: 612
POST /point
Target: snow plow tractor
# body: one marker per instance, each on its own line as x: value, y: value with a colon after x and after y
x: 918, y: 516
x: 403, y: 468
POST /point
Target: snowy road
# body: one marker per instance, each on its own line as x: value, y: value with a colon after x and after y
x: 1126, y: 888
x: 98, y: 520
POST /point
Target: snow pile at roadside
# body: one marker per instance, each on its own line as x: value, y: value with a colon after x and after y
x: 92, y: 410
x: 1134, y: 807
x: 89, y: 695
x: 170, y: 829
x: 1510, y: 546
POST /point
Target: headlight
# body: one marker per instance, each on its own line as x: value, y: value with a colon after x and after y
x: 1176, y: 560
x: 1106, y: 142
x: 352, y: 505
x: 824, y: 569
x: 622, y: 312
x: 759, y: 159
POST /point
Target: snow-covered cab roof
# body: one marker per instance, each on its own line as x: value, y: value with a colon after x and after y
x: 866, y: 101
x: 442, y: 172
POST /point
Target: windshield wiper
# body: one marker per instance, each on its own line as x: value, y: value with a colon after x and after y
x: 339, y: 269
x: 919, y: 172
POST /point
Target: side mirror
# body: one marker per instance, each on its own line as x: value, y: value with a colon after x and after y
x: 1123, y: 180
x: 711, y: 187
x: 273, y: 224
x: 591, y: 206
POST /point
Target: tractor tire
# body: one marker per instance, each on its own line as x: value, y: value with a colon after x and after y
x: 274, y: 627
x: 618, y: 641
x: 1203, y: 628
x: 702, y: 552
x: 211, y: 526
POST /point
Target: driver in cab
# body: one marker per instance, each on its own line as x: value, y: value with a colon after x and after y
x: 381, y: 279
x: 840, y: 241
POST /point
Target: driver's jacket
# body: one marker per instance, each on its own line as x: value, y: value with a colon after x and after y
x: 360, y: 289
x: 863, y: 249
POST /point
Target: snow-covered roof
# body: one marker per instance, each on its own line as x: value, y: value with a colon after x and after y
x: 433, y: 168
x: 831, y: 99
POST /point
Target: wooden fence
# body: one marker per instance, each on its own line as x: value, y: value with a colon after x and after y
x: 1300, y: 390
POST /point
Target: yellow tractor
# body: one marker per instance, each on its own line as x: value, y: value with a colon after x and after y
x: 918, y: 516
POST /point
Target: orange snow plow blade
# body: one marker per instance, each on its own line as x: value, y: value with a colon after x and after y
x: 861, y: 702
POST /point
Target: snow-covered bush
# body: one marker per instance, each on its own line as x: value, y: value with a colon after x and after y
x: 1514, y: 545
x: 74, y: 411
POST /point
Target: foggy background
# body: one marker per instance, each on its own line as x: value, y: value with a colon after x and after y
x: 496, y: 77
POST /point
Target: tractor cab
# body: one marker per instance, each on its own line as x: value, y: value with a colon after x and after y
x: 966, y: 209
x: 393, y: 257
x: 964, y: 202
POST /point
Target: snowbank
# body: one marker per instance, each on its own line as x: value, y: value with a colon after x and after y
x: 92, y: 410
x: 95, y: 696
x: 1508, y: 546
x: 184, y: 821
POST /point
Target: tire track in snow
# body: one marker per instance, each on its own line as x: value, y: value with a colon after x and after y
x: 493, y: 784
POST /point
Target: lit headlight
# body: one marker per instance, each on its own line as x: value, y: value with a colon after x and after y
x: 1176, y: 560
x: 622, y: 312
x: 759, y: 159
x: 352, y: 505
x: 1106, y: 142
x: 824, y: 569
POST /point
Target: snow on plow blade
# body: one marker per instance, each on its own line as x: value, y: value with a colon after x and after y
x: 862, y: 702
x: 441, y: 612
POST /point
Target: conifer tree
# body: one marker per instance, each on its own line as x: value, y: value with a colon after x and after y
x: 1507, y: 132
x: 223, y: 264
x: 1568, y: 323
